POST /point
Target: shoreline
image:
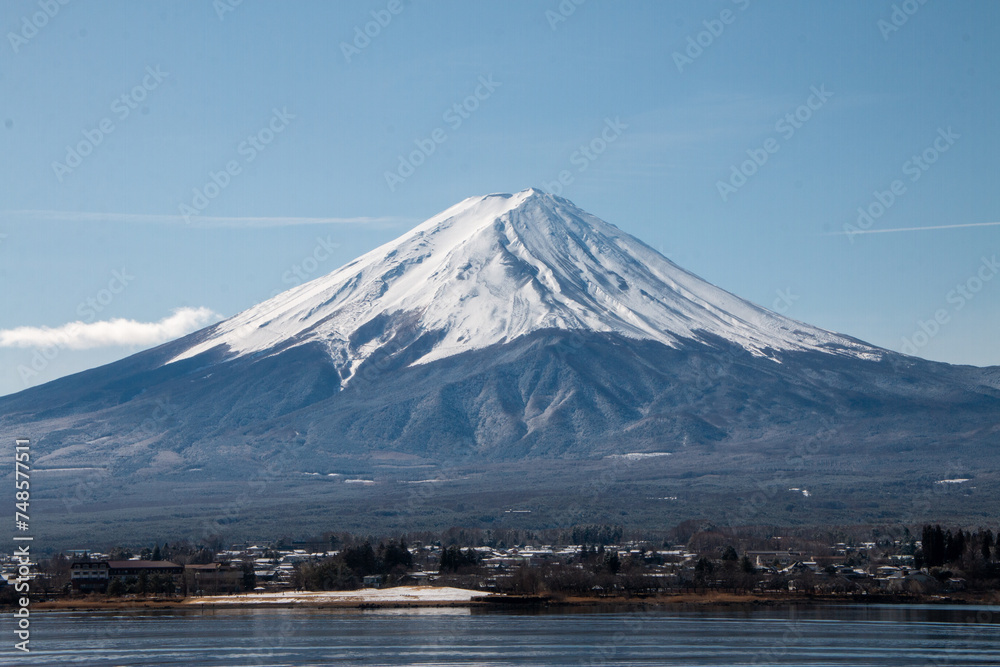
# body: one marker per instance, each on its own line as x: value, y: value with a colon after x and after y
x: 433, y: 597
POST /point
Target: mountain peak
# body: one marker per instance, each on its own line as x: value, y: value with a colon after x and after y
x: 494, y: 268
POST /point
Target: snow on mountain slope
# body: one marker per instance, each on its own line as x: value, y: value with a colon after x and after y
x: 491, y: 269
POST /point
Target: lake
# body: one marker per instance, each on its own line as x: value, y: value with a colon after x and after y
x: 811, y: 635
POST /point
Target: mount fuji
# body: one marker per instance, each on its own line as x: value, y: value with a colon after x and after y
x: 493, y: 269
x: 506, y: 355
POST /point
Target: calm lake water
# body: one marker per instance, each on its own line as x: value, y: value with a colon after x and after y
x: 856, y: 636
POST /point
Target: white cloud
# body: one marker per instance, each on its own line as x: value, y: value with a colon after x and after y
x: 110, y: 333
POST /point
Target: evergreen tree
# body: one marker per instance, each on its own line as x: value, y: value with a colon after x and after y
x: 612, y: 563
x: 393, y: 555
x: 453, y: 559
x: 361, y: 560
x: 933, y: 540
x: 954, y: 546
x: 249, y: 577
x: 120, y: 553
x: 116, y: 587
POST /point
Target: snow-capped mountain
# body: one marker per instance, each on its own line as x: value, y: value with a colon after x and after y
x: 512, y: 351
x: 493, y: 269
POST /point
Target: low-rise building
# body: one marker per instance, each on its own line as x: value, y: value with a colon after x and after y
x: 93, y: 576
x: 134, y: 568
x: 89, y: 576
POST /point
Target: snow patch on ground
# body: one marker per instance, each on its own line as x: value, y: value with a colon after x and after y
x: 638, y: 456
x: 400, y: 594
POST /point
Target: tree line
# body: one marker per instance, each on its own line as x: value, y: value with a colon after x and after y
x: 940, y: 547
x: 346, y: 571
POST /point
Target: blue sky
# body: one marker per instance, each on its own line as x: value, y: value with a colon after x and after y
x: 168, y: 163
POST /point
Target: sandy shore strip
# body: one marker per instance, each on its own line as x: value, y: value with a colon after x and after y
x: 400, y: 595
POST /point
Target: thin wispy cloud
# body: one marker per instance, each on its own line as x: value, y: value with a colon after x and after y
x: 81, y: 217
x: 852, y: 232
x: 109, y: 333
